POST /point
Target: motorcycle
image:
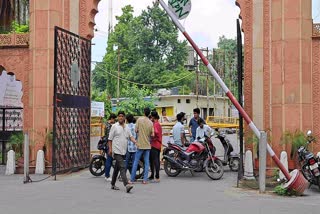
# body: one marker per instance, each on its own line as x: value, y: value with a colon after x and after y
x: 199, y: 155
x: 230, y: 158
x: 310, y: 167
x: 97, y: 163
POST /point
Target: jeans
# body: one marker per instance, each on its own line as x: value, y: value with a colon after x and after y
x: 146, y: 156
x: 108, y: 165
x: 129, y: 160
x: 120, y: 166
x: 192, y: 139
x: 155, y: 162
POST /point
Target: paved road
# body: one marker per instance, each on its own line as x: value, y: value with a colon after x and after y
x: 81, y: 193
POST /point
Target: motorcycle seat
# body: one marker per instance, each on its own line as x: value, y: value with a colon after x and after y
x: 187, y: 153
x: 183, y: 148
x: 234, y: 154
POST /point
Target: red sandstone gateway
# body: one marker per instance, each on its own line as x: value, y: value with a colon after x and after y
x: 198, y: 156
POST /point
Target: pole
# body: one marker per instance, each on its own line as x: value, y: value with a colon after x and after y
x: 214, y: 81
x: 224, y: 87
x: 197, y: 81
x: 3, y: 140
x: 118, y: 87
x: 207, y: 85
x: 262, y: 162
x: 240, y: 72
x: 26, y: 178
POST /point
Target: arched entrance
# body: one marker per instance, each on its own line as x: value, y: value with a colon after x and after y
x: 11, y: 113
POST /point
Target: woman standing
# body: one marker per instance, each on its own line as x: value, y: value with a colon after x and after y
x: 156, y: 143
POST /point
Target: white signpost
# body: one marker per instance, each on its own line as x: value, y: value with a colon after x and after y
x: 10, y: 97
x: 181, y: 8
x: 97, y: 109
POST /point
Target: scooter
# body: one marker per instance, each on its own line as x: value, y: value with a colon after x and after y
x: 230, y: 158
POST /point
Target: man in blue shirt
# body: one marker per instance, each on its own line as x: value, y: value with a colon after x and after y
x: 193, y: 124
x: 132, y: 148
x: 178, y: 131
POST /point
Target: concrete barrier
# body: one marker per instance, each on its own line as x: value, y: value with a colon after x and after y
x: 248, y: 166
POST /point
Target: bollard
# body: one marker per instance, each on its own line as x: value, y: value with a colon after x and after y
x: 262, y: 162
x: 284, y: 161
x: 248, y: 166
x: 11, y: 163
x: 40, y: 163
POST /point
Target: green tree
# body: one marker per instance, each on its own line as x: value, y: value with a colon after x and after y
x: 136, y: 100
x: 148, y: 49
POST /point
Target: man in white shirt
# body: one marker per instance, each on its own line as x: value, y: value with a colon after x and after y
x: 118, y: 141
x: 178, y: 131
x: 203, y: 130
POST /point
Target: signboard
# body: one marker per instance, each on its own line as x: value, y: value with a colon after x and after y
x: 10, y: 90
x: 181, y: 8
x: 97, y: 109
x: 13, y: 120
x: 10, y: 96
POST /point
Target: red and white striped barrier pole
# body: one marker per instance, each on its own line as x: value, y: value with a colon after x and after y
x: 225, y: 88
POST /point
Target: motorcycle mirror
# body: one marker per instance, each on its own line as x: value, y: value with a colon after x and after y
x: 309, y: 133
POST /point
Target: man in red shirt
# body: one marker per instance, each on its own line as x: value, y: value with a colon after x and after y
x: 156, y: 143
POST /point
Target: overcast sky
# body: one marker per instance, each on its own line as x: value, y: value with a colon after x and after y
x: 208, y: 20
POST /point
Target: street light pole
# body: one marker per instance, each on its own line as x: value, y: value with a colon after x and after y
x: 118, y: 88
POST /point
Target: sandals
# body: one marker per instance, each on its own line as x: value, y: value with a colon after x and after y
x: 115, y: 188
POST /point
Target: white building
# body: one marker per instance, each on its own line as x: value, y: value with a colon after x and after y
x: 211, y: 105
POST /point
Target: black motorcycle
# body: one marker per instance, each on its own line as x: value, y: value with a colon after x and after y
x: 97, y: 163
x: 230, y: 158
x: 310, y: 167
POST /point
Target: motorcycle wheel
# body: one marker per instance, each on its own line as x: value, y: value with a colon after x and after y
x: 171, y: 172
x: 214, y: 169
x: 234, y: 164
x: 97, y: 166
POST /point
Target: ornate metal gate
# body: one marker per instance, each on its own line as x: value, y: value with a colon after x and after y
x: 71, y: 120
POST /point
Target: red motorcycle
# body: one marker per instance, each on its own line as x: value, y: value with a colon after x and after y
x: 198, y: 156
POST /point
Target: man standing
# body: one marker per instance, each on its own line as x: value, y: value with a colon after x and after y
x: 156, y: 144
x: 193, y: 124
x: 145, y: 131
x: 178, y: 131
x: 132, y: 148
x: 108, y: 164
x: 118, y: 141
x: 164, y: 118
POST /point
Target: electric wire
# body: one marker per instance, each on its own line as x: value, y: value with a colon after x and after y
x: 143, y: 84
